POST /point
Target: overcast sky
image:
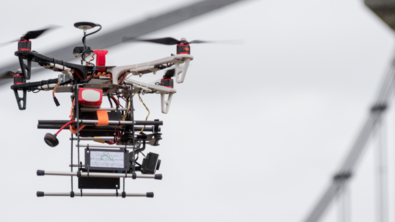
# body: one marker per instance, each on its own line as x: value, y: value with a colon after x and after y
x: 255, y: 132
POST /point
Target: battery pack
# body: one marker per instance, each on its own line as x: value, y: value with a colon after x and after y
x: 90, y: 97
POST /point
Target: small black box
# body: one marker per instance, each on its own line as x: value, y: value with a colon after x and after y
x: 150, y: 163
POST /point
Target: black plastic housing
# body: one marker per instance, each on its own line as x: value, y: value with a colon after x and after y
x: 150, y: 163
x: 98, y: 183
x: 51, y: 140
x: 77, y: 51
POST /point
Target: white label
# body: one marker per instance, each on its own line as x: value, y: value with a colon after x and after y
x: 107, y: 159
x: 90, y: 95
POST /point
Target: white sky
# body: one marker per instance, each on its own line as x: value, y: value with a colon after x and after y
x: 253, y: 134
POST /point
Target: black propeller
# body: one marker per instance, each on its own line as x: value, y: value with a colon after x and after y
x: 10, y: 74
x: 173, y: 41
x: 169, y: 73
x: 7, y: 75
x: 164, y: 41
x: 30, y: 35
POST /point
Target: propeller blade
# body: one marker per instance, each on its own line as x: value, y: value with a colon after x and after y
x: 9, y: 42
x: 164, y: 41
x: 228, y: 42
x: 169, y: 73
x: 10, y: 74
x: 31, y: 35
x: 198, y: 42
x: 7, y: 75
x: 173, y: 41
x: 35, y: 34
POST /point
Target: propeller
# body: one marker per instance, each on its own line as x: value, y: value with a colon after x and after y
x: 30, y: 35
x: 7, y: 75
x: 173, y: 41
x: 10, y: 74
x: 169, y: 73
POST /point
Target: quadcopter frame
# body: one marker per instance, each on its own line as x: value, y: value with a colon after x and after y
x: 90, y: 122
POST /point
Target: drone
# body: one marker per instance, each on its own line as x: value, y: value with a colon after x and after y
x: 113, y: 141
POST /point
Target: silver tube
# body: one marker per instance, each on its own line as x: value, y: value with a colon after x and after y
x: 106, y: 147
x: 94, y: 194
x: 57, y: 173
x: 136, y: 195
x: 117, y: 175
x: 104, y: 175
x: 56, y: 194
x: 89, y: 121
x: 110, y: 122
x: 95, y: 109
x: 113, y: 122
x: 145, y: 176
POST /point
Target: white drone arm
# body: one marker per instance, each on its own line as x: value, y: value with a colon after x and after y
x: 162, y: 90
x: 180, y: 73
x: 147, y: 67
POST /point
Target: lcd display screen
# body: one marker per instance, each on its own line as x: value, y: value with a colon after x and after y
x: 107, y: 159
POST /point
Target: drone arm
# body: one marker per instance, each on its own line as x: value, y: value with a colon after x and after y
x: 165, y: 103
x: 34, y: 85
x: 53, y: 63
x: 152, y: 66
x: 180, y: 73
x: 21, y: 100
x: 56, y: 67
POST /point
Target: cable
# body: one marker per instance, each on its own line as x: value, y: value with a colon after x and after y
x: 116, y: 102
x: 93, y: 57
x: 127, y: 111
x: 74, y: 71
x: 109, y: 100
x: 129, y: 107
x: 123, y: 78
x: 61, y: 128
x: 100, y: 74
x: 141, y: 100
x: 136, y: 92
x: 54, y: 97
x: 53, y: 91
x: 85, y: 48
